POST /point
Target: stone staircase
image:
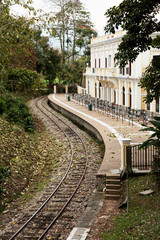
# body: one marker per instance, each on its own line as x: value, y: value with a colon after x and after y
x: 113, y: 187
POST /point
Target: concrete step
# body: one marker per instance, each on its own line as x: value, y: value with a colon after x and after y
x: 112, y: 197
x: 112, y: 191
x: 113, y: 186
x: 113, y: 181
x: 113, y: 176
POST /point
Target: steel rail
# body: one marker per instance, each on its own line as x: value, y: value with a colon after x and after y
x: 62, y: 180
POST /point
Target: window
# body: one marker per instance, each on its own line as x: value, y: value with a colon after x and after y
x: 105, y: 62
x: 123, y: 95
x: 148, y: 106
x: 109, y: 61
x: 127, y: 70
x: 100, y: 90
x: 114, y: 96
x: 157, y: 105
x: 121, y: 70
x: 99, y: 62
x: 130, y: 70
x: 95, y: 63
x: 130, y: 97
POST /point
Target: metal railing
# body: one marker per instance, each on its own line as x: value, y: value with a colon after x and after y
x: 116, y: 111
x: 140, y: 158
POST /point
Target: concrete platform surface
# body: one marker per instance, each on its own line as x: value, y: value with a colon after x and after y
x: 111, y: 130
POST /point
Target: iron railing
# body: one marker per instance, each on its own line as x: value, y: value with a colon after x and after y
x: 114, y: 110
x: 140, y: 158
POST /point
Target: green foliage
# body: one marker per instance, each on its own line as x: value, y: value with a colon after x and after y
x: 71, y: 74
x: 29, y: 124
x: 156, y: 42
x: 2, y: 105
x: 48, y: 59
x: 151, y: 83
x: 154, y: 139
x: 72, y: 89
x: 18, y: 112
x: 70, y: 15
x: 84, y: 35
x: 16, y: 42
x: 137, y: 18
x: 22, y: 79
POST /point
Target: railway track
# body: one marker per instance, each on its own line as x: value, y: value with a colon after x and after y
x: 54, y: 216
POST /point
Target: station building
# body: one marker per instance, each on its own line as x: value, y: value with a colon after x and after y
x: 117, y: 85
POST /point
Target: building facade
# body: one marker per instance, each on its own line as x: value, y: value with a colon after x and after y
x: 117, y: 85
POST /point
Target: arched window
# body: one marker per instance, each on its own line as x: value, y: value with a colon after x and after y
x: 123, y: 95
x: 130, y: 97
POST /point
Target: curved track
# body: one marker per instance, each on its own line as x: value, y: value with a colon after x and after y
x: 49, y: 221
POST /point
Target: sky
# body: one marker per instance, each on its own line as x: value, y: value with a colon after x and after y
x: 97, y: 9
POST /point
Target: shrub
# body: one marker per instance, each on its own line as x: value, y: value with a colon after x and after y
x: 72, y: 89
x: 18, y: 112
x: 22, y: 79
x: 14, y: 114
x: 29, y: 124
x: 2, y: 105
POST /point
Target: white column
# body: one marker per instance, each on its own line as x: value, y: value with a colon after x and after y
x: 66, y: 88
x: 124, y: 143
x: 137, y: 96
x: 120, y: 93
x: 112, y: 95
x: 117, y: 96
x: 105, y: 93
x: 126, y: 94
x: 55, y: 89
x: 133, y: 95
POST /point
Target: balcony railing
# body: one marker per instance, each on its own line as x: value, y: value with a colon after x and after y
x: 109, y: 72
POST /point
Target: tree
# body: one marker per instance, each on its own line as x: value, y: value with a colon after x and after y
x: 16, y: 44
x: 151, y: 78
x: 69, y: 15
x: 71, y: 74
x: 138, y: 19
x: 84, y: 35
x: 48, y: 58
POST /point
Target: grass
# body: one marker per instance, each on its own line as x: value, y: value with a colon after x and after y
x: 143, y: 219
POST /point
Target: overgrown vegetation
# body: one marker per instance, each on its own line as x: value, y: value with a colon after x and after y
x: 17, y: 112
x: 27, y: 161
x: 142, y: 221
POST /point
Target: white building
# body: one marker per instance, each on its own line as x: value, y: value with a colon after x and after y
x: 106, y: 81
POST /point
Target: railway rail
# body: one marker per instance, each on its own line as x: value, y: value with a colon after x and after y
x: 55, y: 213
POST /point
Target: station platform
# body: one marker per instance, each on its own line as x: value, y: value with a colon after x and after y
x: 107, y: 128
